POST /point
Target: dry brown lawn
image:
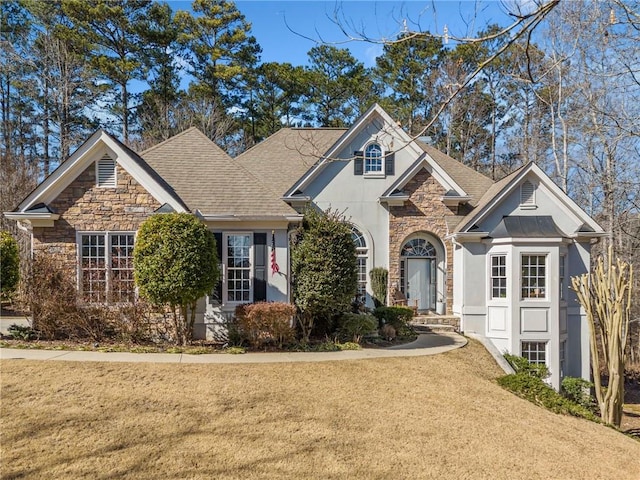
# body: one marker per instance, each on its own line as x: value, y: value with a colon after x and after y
x: 440, y: 417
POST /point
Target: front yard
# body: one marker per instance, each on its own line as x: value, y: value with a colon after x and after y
x: 425, y: 417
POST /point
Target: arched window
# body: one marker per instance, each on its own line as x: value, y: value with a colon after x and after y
x: 373, y: 158
x: 361, y: 258
x: 418, y: 247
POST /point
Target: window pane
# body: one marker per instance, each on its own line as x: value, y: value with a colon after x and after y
x: 373, y: 159
x: 122, y: 283
x: 418, y: 247
x: 238, y: 268
x: 498, y: 276
x: 561, y: 276
x: 534, y: 352
x: 533, y: 279
x: 93, y: 272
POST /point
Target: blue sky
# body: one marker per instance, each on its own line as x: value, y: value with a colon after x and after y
x: 272, y: 22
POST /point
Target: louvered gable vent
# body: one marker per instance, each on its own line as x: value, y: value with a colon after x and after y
x: 106, y: 172
x: 527, y: 193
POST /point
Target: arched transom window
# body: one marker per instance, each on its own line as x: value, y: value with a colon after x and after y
x: 373, y: 159
x: 361, y: 258
x: 418, y: 247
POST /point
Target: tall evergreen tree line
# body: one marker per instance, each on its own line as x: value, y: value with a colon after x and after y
x: 146, y: 72
x: 565, y: 97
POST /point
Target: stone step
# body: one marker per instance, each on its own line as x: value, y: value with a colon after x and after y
x: 437, y: 320
x: 432, y: 328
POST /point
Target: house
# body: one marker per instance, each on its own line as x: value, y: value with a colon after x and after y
x: 495, y: 257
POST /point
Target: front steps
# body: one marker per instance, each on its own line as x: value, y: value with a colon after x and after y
x: 425, y: 323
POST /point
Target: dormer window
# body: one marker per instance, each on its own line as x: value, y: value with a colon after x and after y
x: 528, y: 194
x: 373, y: 159
x: 106, y: 172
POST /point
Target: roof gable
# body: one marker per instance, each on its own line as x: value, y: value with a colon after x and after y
x: 461, y: 182
x: 94, y: 148
x: 501, y: 190
x: 374, y: 115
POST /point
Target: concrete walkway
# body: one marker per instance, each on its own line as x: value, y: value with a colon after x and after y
x: 426, y: 344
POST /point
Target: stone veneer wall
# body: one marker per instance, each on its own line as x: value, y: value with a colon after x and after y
x: 83, y: 206
x: 423, y: 212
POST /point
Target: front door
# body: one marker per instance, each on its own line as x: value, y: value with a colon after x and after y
x: 421, y: 283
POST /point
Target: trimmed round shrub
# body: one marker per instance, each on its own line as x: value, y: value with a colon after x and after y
x: 324, y: 273
x: 175, y: 264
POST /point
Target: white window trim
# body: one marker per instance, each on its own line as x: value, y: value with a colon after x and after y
x: 562, y: 358
x: 562, y: 280
x: 107, y: 234
x: 225, y: 268
x: 115, y: 172
x: 546, y: 297
x: 507, y: 276
x: 546, y: 349
x: 374, y: 174
x: 363, y: 253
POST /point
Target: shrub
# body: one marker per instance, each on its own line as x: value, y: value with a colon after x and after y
x: 324, y: 275
x: 139, y: 322
x: 352, y: 326
x: 51, y: 296
x: 262, y: 323
x: 175, y: 264
x: 534, y: 389
x: 379, y: 277
x: 397, y: 317
x: 522, y: 365
x: 22, y: 332
x: 578, y: 390
x: 235, y: 350
x: 9, y: 265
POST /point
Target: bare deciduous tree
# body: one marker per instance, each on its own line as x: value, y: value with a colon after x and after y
x: 606, y: 297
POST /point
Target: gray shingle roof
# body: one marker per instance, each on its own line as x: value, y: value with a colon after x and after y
x: 209, y: 180
x: 280, y: 160
x: 489, y: 195
x: 150, y: 170
x: 474, y: 183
